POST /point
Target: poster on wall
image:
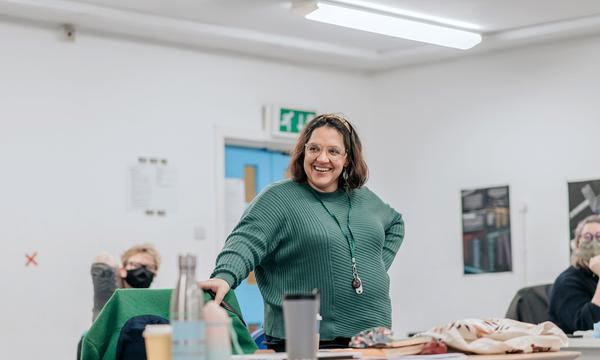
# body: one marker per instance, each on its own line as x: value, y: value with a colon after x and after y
x: 584, y: 200
x: 486, y: 230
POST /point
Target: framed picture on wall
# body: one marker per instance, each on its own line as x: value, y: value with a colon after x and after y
x: 486, y: 230
x: 584, y: 200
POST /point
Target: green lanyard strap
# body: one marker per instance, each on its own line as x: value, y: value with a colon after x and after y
x: 347, y: 232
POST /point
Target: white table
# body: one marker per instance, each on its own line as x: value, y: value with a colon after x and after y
x: 560, y: 355
x: 589, y: 347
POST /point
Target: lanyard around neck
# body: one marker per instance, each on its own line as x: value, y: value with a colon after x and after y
x: 356, y: 282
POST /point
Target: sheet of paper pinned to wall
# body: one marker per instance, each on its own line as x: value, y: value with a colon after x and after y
x: 153, y: 186
x: 165, y: 189
x: 140, y: 186
x: 235, y: 202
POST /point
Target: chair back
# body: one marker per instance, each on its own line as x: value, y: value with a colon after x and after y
x: 100, y: 342
x: 530, y: 304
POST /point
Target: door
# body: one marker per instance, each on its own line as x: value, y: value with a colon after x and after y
x: 255, y: 168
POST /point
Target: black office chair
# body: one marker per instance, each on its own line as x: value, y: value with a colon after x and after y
x: 530, y: 304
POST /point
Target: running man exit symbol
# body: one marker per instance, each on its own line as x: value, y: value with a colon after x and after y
x: 31, y: 259
x: 293, y: 121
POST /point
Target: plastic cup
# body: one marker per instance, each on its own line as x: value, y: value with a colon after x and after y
x: 158, y: 340
x: 318, y: 330
x: 596, y: 332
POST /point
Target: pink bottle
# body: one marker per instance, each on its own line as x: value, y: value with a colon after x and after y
x: 216, y: 322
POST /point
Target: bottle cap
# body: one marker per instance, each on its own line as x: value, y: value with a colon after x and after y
x: 187, y: 260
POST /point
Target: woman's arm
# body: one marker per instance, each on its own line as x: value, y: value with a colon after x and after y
x: 104, y: 280
x: 394, y: 235
x: 571, y: 304
x: 594, y: 266
x: 256, y: 235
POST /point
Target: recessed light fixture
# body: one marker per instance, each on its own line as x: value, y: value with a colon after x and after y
x: 387, y: 23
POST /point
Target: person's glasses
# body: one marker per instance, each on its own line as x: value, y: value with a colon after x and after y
x: 333, y: 152
x: 136, y: 265
x: 588, y: 237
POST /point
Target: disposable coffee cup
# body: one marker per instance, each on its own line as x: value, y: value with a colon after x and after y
x: 299, y: 314
x: 158, y: 340
x: 318, y: 330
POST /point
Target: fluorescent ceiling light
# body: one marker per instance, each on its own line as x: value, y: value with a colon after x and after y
x: 388, y: 24
x: 411, y: 14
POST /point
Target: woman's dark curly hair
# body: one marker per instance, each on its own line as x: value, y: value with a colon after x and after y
x: 355, y: 172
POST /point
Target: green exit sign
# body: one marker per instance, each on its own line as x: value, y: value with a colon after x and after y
x: 292, y: 121
x: 286, y: 122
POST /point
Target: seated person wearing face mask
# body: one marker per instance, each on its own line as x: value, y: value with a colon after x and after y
x: 575, y: 298
x: 139, y: 265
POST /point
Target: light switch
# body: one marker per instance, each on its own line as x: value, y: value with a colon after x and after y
x: 199, y: 233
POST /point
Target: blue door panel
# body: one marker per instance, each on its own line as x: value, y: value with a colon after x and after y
x: 236, y: 158
x: 279, y: 164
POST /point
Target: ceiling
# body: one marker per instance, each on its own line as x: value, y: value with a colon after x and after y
x: 269, y: 29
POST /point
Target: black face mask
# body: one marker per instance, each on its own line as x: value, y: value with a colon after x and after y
x: 140, y: 277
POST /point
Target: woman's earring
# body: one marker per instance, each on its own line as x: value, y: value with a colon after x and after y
x: 345, y: 176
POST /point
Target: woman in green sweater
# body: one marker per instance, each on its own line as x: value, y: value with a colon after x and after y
x: 323, y: 229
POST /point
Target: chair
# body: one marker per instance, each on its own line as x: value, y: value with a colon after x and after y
x: 100, y: 342
x: 530, y: 304
x: 259, y: 338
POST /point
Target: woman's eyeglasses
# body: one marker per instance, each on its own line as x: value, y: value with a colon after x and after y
x: 333, y: 152
x: 588, y: 237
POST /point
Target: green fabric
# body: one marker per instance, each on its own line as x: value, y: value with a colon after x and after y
x: 100, y: 342
x: 290, y: 238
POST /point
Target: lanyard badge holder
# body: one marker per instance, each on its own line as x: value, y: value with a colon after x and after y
x: 356, y: 282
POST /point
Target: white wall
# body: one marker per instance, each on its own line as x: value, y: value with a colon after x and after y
x: 528, y: 118
x: 73, y: 118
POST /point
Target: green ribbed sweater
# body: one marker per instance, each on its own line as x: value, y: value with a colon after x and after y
x: 293, y: 244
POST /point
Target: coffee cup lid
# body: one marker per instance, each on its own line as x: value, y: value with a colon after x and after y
x: 157, y: 329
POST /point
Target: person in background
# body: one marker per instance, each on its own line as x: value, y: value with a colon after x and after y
x: 322, y: 229
x: 139, y: 265
x: 575, y: 297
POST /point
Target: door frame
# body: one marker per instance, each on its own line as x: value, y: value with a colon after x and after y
x: 260, y: 139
